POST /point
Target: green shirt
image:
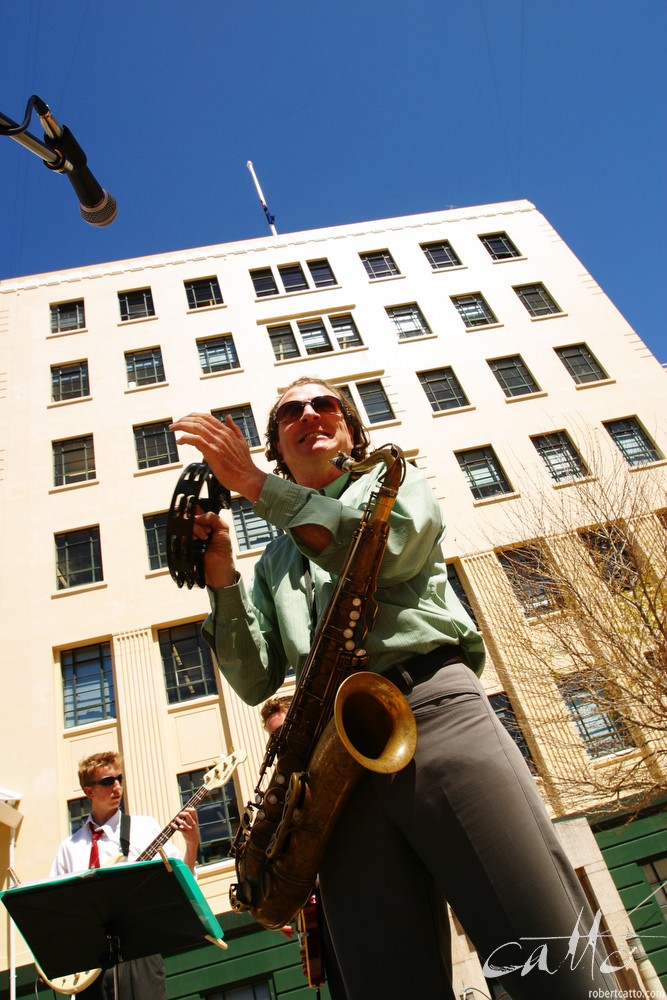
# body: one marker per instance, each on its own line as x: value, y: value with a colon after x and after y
x: 258, y: 635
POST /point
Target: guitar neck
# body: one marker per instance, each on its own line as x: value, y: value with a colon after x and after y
x: 169, y: 831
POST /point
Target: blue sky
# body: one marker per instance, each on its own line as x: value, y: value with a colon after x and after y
x: 349, y: 111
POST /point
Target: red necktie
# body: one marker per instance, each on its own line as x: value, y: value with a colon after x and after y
x: 94, y: 861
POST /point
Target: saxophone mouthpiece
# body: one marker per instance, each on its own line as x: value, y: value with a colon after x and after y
x: 343, y: 462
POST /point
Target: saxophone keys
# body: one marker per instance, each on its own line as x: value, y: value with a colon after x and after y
x: 348, y: 633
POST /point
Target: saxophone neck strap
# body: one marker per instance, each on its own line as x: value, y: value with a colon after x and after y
x: 125, y: 821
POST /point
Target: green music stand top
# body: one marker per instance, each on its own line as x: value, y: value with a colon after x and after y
x: 146, y: 908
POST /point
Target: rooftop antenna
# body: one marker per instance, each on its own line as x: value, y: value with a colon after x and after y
x: 269, y: 218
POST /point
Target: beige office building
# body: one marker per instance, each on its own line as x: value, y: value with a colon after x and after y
x: 473, y: 338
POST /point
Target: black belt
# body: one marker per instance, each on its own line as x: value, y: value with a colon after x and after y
x: 406, y: 675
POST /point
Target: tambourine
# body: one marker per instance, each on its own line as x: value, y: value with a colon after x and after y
x: 185, y: 552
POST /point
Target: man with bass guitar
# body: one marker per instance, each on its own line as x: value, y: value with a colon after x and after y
x: 104, y: 838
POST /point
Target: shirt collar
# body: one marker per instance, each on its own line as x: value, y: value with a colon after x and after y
x: 336, y: 486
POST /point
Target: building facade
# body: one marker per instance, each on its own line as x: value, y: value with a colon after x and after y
x: 472, y: 338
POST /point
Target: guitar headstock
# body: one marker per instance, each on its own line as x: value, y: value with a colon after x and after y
x: 223, y: 769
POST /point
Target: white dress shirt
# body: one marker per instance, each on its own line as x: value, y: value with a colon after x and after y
x: 73, y: 854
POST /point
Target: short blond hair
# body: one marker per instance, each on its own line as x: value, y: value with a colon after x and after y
x: 88, y: 765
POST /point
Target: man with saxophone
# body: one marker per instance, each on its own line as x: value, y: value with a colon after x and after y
x: 462, y: 823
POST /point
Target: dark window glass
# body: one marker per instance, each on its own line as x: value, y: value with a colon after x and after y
x: 581, y: 364
x: 513, y: 376
x: 537, y: 300
x: 264, y: 282
x: 474, y: 310
x: 345, y: 331
x: 67, y: 316
x: 314, y: 336
x: 218, y: 816
x: 245, y: 421
x: 88, y: 688
x: 203, y: 292
x: 155, y: 445
x: 78, y: 558
x: 137, y: 304
x: 601, y: 730
x: 283, y: 342
x: 484, y: 472
x: 187, y: 663
x: 69, y: 381
x: 217, y: 354
x: 502, y: 706
x: 632, y: 441
x: 73, y: 460
x: 441, y: 255
x: 292, y: 277
x: 443, y: 389
x: 408, y: 320
x: 561, y: 458
x: 252, y: 531
x: 500, y: 246
x: 155, y: 529
x: 321, y: 273
x: 144, y: 367
x: 379, y: 264
x: 374, y: 399
x: 534, y: 587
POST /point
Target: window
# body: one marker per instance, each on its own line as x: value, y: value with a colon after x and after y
x: 318, y: 335
x: 561, y: 458
x: 474, y: 310
x: 155, y: 529
x: 441, y: 255
x: 581, y: 364
x: 443, y: 389
x: 314, y: 336
x: 345, y: 331
x: 203, y: 292
x: 537, y: 300
x: 513, y: 376
x: 155, y: 445
x: 611, y: 551
x: 88, y: 688
x: 249, y: 991
x: 500, y: 246
x: 73, y: 460
x: 632, y: 441
x: 528, y: 573
x: 218, y: 816
x: 187, y: 663
x: 136, y: 305
x: 408, y: 320
x: 292, y: 278
x: 600, y: 728
x: 67, y: 316
x: 144, y: 367
x: 375, y: 402
x: 454, y: 581
x: 69, y: 381
x: 78, y: 558
x: 321, y: 273
x: 502, y: 706
x: 379, y: 264
x: 484, y: 473
x: 655, y: 873
x: 252, y: 531
x: 217, y: 354
x: 264, y: 282
x: 78, y: 811
x: 244, y: 420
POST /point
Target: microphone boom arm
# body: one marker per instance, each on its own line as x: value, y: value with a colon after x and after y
x: 61, y: 152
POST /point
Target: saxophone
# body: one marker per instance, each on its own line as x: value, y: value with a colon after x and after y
x: 342, y: 721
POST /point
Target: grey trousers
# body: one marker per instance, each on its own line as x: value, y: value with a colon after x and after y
x: 463, y: 823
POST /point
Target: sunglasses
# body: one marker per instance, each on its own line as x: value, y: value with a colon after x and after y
x: 109, y: 781
x: 293, y: 408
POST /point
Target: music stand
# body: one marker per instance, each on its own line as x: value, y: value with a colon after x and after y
x: 107, y: 915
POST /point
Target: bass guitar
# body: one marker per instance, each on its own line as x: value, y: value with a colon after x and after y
x: 216, y: 777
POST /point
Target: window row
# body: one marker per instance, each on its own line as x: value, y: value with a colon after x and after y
x: 200, y: 293
x: 487, y: 478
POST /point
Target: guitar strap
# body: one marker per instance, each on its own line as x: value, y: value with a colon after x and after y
x: 125, y: 834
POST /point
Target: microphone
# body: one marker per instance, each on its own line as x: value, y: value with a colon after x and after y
x: 96, y: 205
